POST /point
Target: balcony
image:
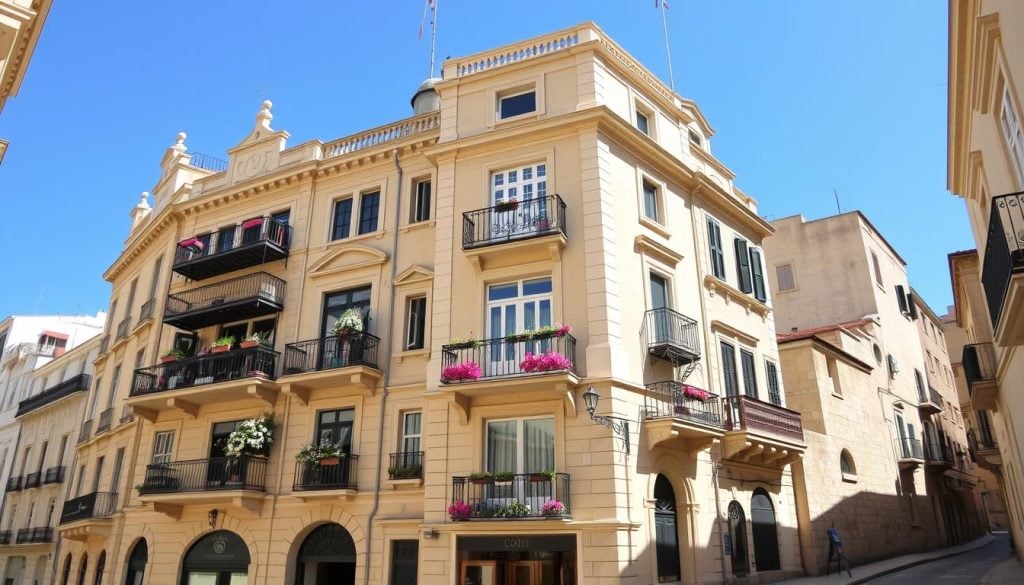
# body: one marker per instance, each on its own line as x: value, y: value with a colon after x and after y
x: 909, y: 452
x: 255, y: 241
x: 929, y: 401
x: 188, y: 383
x: 5, y: 537
x: 33, y: 480
x: 54, y: 475
x: 88, y: 516
x: 979, y: 362
x: 938, y: 455
x: 406, y: 466
x: 681, y: 415
x: 331, y: 362
x: 671, y: 336
x: 1002, y: 273
x: 984, y: 449
x: 79, y: 383
x: 123, y: 329
x: 85, y: 433
x: 37, y: 535
x: 501, y: 235
x: 231, y: 481
x: 761, y: 433
x: 521, y: 496
x: 238, y: 299
x: 146, y: 311
x: 331, y: 481
x: 104, y: 421
x: 126, y: 414
x: 14, y: 484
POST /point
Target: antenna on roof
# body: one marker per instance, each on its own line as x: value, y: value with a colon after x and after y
x: 663, y: 6
x: 430, y: 6
x: 836, y: 194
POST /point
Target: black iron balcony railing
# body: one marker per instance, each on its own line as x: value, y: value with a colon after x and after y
x: 123, y: 328
x: 207, y: 162
x: 337, y: 476
x: 354, y: 349
x: 1004, y: 251
x: 909, y: 448
x: 54, y: 475
x: 127, y: 415
x: 104, y: 343
x: 513, y: 221
x: 750, y: 414
x: 5, y: 536
x: 94, y: 505
x: 406, y: 465
x: 523, y: 495
x: 938, y: 453
x: 201, y: 475
x: 979, y: 361
x: 929, y: 396
x: 238, y: 299
x: 24, y: 536
x: 671, y: 336
x: 104, y: 421
x: 39, y: 534
x: 33, y: 480
x: 86, y: 431
x: 255, y: 241
x: 507, y: 357
x: 254, y: 362
x: 79, y: 383
x: 676, y: 400
x: 14, y: 484
x: 146, y: 311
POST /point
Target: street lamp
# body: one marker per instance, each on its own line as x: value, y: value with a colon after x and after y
x: 618, y: 425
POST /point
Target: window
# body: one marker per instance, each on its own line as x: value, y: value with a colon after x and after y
x: 929, y: 361
x: 893, y: 366
x: 404, y: 561
x: 63, y: 449
x: 518, y: 306
x: 659, y: 291
x: 516, y: 102
x: 416, y: 321
x: 642, y: 122
x: 335, y: 427
x: 715, y: 245
x: 784, y: 277
x: 42, y: 456
x: 369, y: 209
x: 772, y: 375
x: 131, y: 298
x: 163, y: 443
x: 113, y: 386
x: 335, y: 305
x: 520, y: 445
x: 695, y: 138
x: 878, y: 269
x: 226, y: 238
x: 115, y: 478
x: 749, y: 375
x: 140, y: 358
x: 342, y: 219
x: 1012, y: 134
x: 420, y: 201
x: 922, y: 394
x: 78, y: 482
x: 833, y: 375
x: 411, y: 429
x: 729, y: 369
x: 651, y: 210
x: 98, y: 473
x: 743, y: 266
x: 153, y: 284
x: 901, y: 299
x: 846, y: 465
x: 757, y: 275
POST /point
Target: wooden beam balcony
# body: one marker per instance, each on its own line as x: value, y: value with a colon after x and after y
x: 681, y: 416
x: 254, y: 241
x: 761, y: 433
x: 333, y: 364
x: 238, y: 299
x: 515, y: 232
x: 238, y: 482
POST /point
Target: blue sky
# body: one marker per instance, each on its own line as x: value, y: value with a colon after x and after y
x: 805, y: 96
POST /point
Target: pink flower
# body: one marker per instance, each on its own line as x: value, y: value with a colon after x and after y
x: 695, y: 393
x: 563, y: 330
x: 460, y: 510
x: 553, y: 508
x: 461, y: 371
x: 546, y: 362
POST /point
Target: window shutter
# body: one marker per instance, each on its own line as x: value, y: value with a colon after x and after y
x: 743, y: 265
x: 729, y: 370
x: 715, y: 244
x: 911, y: 305
x: 774, y: 396
x: 758, y: 274
x: 901, y: 298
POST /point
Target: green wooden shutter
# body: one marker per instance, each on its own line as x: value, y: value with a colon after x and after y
x: 743, y: 265
x: 715, y: 244
x: 758, y: 275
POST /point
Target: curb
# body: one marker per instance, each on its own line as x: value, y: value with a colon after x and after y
x: 981, y: 543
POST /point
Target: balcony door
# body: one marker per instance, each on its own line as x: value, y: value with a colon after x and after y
x: 521, y: 446
x: 333, y: 352
x: 220, y: 468
x: 905, y: 432
x: 659, y: 300
x: 527, y: 186
x: 515, y: 307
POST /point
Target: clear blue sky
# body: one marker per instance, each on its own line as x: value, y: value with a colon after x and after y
x: 805, y: 96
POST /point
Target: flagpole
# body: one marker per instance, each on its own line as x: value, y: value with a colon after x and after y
x: 668, y: 50
x: 433, y: 35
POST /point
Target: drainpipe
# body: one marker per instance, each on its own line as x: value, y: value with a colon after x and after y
x: 387, y: 370
x: 716, y: 467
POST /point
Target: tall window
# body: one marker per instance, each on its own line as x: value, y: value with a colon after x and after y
x: 421, y: 201
x: 98, y: 473
x: 131, y: 298
x: 743, y: 265
x: 404, y: 561
x: 643, y: 122
x: 115, y: 478
x: 1012, y: 134
x: 335, y: 305
x: 63, y: 450
x: 666, y: 531
x: 411, y: 428
x: 335, y: 427
x: 749, y: 375
x: 342, y: 219
x: 153, y: 284
x: 416, y: 322
x: 519, y: 201
x: 878, y: 269
x: 729, y: 379
x: 113, y: 386
x: 369, y: 209
x: 163, y: 444
x: 650, y: 192
x: 518, y: 306
x: 772, y: 375
x: 521, y: 445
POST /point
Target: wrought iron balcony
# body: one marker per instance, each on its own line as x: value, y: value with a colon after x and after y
x: 79, y: 383
x: 201, y: 475
x: 507, y: 357
x: 33, y: 480
x: 929, y: 400
x: 104, y: 421
x: 522, y: 220
x: 909, y: 450
x: 238, y: 299
x: 406, y: 465
x: 979, y: 361
x: 94, y: 505
x: 104, y: 344
x: 54, y: 475
x: 255, y: 362
x: 750, y: 414
x: 14, y: 484
x: 207, y: 162
x: 523, y: 495
x: 86, y: 431
x: 355, y: 349
x: 5, y: 536
x: 123, y: 328
x: 146, y: 311
x: 671, y: 336
x: 314, y: 476
x: 39, y: 534
x: 938, y: 454
x: 127, y: 415
x: 1004, y: 255
x: 255, y: 241
x: 677, y: 400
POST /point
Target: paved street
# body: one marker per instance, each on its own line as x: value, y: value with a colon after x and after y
x: 964, y: 569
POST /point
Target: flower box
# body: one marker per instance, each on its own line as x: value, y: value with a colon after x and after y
x: 220, y: 349
x: 168, y: 359
x: 251, y: 223
x: 466, y: 371
x: 248, y: 344
x: 330, y: 460
x: 695, y: 393
x: 546, y: 362
x: 507, y: 205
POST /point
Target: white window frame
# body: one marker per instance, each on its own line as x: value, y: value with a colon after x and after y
x: 415, y: 209
x: 520, y: 438
x: 159, y: 457
x: 1013, y: 135
x: 409, y: 321
x: 405, y: 436
x: 660, y: 224
x: 520, y: 301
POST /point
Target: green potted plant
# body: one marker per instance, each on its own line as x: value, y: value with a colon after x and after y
x: 504, y: 476
x: 463, y: 343
x: 256, y: 339
x: 320, y: 454
x: 223, y: 344
x: 542, y: 476
x: 411, y: 471
x: 513, y: 510
x: 510, y: 204
x: 481, y: 477
x: 252, y: 437
x: 171, y: 355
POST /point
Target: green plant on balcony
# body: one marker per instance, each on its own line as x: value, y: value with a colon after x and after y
x: 481, y: 477
x: 255, y: 339
x: 223, y: 344
x: 172, y: 355
x: 542, y: 476
x: 324, y: 453
x: 504, y: 476
x: 513, y: 510
x: 411, y: 471
x: 463, y: 343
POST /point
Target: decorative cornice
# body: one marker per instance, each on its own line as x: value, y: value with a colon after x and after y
x: 649, y: 246
x: 743, y: 336
x: 732, y: 294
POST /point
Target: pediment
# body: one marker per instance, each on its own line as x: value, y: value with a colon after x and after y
x: 259, y: 152
x: 414, y: 274
x: 349, y: 257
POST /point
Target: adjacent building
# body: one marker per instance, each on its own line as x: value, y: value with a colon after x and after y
x: 986, y: 169
x: 864, y: 362
x: 21, y: 22
x: 522, y: 335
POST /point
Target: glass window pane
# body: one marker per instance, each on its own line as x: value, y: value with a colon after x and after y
x: 412, y: 423
x: 540, y: 445
x: 545, y: 313
x: 342, y: 219
x: 536, y: 286
x: 502, y: 291
x: 369, y: 208
x: 516, y: 105
x: 501, y: 446
x: 529, y: 316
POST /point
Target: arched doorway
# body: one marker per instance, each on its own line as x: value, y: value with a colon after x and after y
x: 327, y: 557
x: 137, y: 563
x: 66, y: 577
x: 82, y: 566
x: 738, y: 534
x: 219, y: 558
x: 101, y: 565
x: 766, y: 537
x: 666, y: 532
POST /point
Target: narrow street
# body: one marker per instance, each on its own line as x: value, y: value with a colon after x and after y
x: 965, y: 569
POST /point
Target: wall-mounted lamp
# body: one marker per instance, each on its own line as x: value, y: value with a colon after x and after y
x: 429, y: 533
x: 213, y: 517
x: 618, y: 425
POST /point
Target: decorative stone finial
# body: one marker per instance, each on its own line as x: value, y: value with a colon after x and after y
x: 144, y: 198
x: 264, y: 116
x: 179, y: 143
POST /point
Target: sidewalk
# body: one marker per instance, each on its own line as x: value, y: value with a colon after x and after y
x: 874, y: 570
x: 1008, y: 572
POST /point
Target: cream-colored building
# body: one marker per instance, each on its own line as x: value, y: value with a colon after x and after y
x: 554, y: 182
x: 986, y: 168
x: 49, y: 417
x: 864, y: 362
x: 21, y: 22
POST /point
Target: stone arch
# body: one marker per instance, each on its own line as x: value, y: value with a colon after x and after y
x: 136, y: 562
x: 65, y: 578
x: 83, y: 566
x: 671, y: 468
x: 314, y: 518
x: 221, y: 550
x: 101, y: 567
x: 197, y: 530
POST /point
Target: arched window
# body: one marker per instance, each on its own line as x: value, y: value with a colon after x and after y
x: 327, y: 555
x: 219, y: 557
x: 766, y: 538
x: 66, y: 577
x: 666, y: 532
x: 82, y: 565
x: 738, y: 533
x: 101, y: 565
x: 846, y: 464
x: 137, y: 563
